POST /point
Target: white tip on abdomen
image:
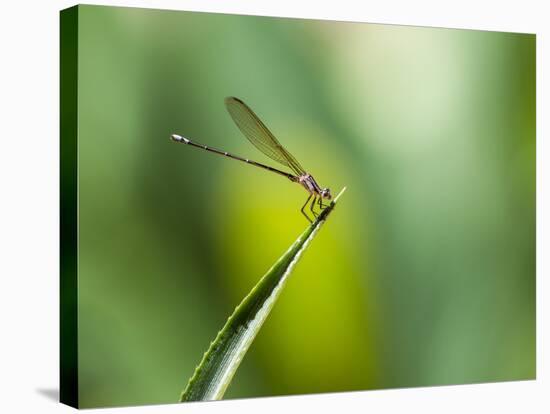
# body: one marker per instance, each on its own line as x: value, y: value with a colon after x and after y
x: 179, y: 138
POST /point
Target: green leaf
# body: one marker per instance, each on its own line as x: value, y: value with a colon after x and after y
x: 217, y: 368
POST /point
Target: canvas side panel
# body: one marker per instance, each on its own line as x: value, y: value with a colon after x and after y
x: 68, y: 207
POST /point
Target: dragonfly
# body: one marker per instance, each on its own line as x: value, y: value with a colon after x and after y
x: 261, y: 137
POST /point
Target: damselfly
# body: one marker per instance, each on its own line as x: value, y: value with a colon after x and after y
x: 257, y: 133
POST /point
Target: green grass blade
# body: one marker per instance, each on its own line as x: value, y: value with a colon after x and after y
x: 215, y: 372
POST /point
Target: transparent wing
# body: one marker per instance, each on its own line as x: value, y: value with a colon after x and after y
x: 257, y: 133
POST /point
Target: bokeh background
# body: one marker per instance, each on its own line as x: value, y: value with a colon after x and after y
x: 424, y: 275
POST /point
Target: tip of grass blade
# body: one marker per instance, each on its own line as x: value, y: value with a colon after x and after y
x: 339, y: 194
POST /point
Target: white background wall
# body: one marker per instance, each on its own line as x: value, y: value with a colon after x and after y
x: 29, y: 159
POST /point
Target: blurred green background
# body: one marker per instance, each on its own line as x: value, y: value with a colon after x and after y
x: 424, y: 275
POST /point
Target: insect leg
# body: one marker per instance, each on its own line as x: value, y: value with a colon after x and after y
x: 304, y: 206
x: 320, y: 202
x: 313, y: 205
